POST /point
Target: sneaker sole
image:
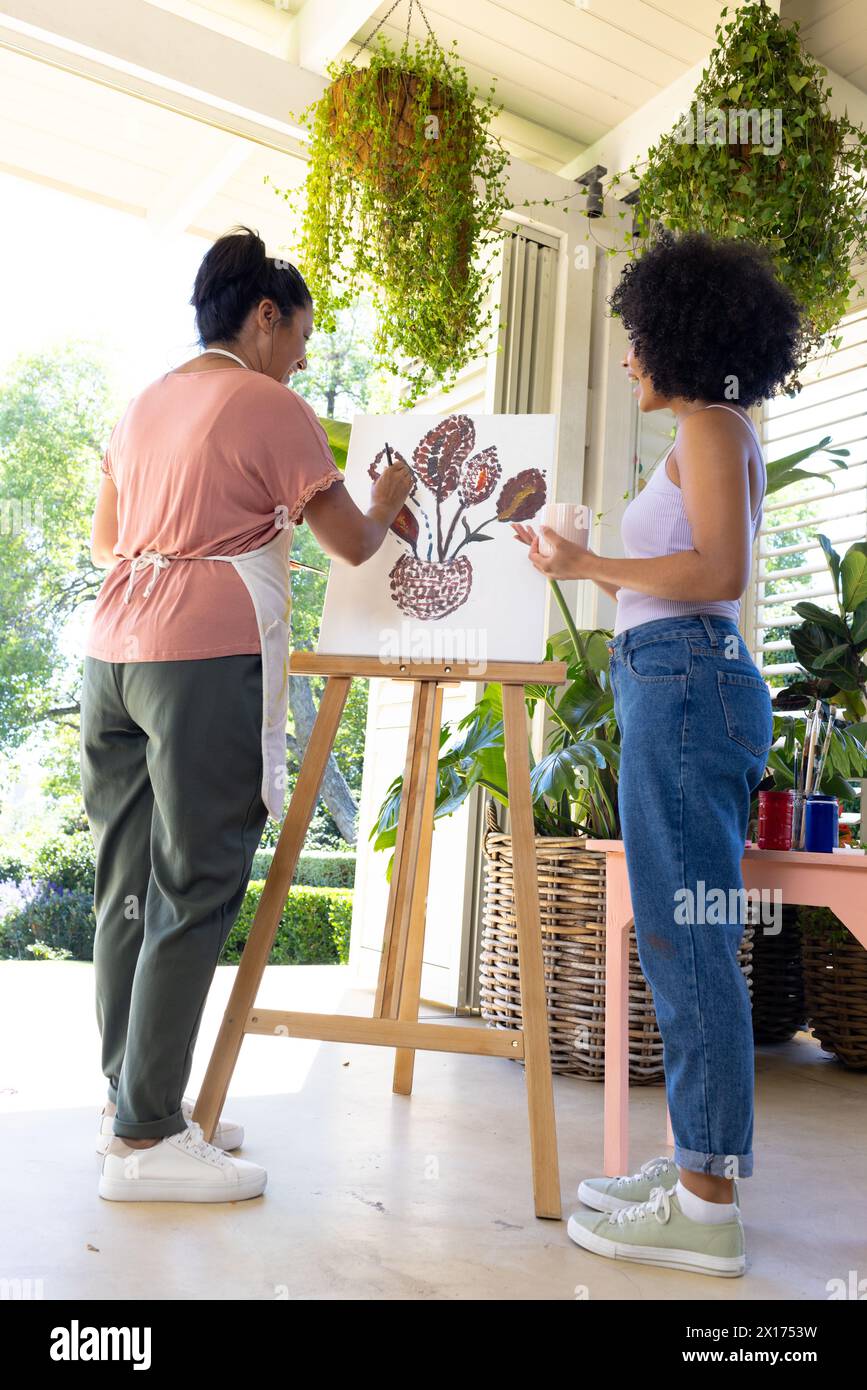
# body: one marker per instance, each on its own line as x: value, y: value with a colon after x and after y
x: 152, y: 1190
x: 727, y: 1267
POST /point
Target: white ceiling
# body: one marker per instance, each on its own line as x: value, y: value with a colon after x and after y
x: 568, y: 75
x: 567, y: 71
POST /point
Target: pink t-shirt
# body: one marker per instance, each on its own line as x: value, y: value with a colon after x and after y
x: 205, y: 463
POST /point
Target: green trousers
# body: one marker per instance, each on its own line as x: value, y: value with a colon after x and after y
x: 171, y: 771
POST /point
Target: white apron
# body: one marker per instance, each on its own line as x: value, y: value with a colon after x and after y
x: 265, y: 572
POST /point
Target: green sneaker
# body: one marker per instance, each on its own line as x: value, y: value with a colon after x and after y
x: 656, y: 1232
x: 612, y: 1194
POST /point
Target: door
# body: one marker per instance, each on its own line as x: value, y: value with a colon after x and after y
x: 542, y: 300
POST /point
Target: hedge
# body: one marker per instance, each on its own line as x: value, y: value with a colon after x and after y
x: 68, y: 862
x: 314, y: 927
x: 319, y: 868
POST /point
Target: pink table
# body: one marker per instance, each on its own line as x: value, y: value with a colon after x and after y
x: 837, y: 881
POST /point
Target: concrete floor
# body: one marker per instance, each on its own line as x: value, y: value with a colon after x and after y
x: 376, y: 1196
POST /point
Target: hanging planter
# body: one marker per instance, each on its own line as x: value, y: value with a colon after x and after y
x: 759, y: 155
x: 404, y: 194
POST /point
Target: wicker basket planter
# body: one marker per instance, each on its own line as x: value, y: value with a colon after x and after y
x: 779, y: 1011
x: 572, y: 910
x: 835, y: 986
x: 395, y: 94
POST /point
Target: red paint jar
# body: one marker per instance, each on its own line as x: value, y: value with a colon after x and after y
x: 775, y: 819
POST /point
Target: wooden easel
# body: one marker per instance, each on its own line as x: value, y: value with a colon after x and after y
x: 395, y: 1015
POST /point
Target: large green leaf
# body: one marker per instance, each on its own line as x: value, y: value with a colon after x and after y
x: 558, y: 772
x: 832, y: 557
x: 810, y: 641
x: 814, y: 614
x: 859, y: 626
x: 782, y: 472
x: 338, y: 432
x: 853, y: 571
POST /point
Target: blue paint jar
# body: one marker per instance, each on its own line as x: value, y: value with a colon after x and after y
x: 822, y: 816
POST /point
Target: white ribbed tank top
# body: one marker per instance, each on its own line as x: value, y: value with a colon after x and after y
x: 655, y: 523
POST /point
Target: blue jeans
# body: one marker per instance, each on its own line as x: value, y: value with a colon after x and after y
x: 696, y: 725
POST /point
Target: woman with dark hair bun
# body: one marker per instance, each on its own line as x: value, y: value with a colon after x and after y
x: 185, y: 692
x: 711, y: 329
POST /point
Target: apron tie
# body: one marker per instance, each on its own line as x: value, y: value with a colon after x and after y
x: 147, y: 557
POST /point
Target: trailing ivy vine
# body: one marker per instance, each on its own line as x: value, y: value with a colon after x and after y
x: 404, y: 193
x: 806, y: 200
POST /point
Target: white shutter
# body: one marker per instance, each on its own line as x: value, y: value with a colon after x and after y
x: 523, y: 377
x: 790, y: 565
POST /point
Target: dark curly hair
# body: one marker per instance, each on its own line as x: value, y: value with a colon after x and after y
x: 702, y: 311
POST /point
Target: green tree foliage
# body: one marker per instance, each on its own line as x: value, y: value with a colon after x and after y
x: 54, y: 423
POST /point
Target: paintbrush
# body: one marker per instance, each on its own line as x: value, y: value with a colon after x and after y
x: 825, y: 747
x: 796, y: 772
x: 388, y: 455
x: 808, y: 778
x: 299, y: 565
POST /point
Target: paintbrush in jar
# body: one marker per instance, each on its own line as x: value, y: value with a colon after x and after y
x: 808, y: 776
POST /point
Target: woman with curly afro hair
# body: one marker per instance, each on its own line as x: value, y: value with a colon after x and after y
x: 712, y: 331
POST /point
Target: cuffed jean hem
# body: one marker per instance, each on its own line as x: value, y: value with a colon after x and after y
x: 151, y: 1129
x: 719, y: 1165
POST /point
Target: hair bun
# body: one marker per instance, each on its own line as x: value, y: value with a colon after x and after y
x: 235, y: 273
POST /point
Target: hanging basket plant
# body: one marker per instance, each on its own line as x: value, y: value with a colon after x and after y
x: 759, y: 155
x: 404, y: 193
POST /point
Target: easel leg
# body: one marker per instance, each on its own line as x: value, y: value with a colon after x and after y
x: 537, y: 1054
x: 410, y: 990
x: 406, y: 851
x: 254, y: 958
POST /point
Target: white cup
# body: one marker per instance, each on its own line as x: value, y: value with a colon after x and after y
x: 569, y: 520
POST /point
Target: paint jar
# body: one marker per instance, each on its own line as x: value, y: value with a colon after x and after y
x: 569, y: 520
x: 822, y: 824
x: 797, y: 818
x: 775, y: 819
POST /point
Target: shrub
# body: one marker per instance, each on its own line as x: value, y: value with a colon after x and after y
x: 56, y: 921
x: 316, y: 868
x: 68, y: 861
x: 313, y: 928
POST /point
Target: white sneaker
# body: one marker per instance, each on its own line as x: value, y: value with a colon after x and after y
x: 180, y: 1168
x: 227, y: 1135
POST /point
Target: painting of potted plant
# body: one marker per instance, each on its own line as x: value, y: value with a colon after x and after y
x: 452, y: 481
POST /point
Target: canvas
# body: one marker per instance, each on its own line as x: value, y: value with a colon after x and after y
x: 450, y: 581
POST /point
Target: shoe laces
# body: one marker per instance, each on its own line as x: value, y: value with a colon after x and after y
x: 659, y: 1202
x: 652, y: 1169
x: 193, y: 1139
